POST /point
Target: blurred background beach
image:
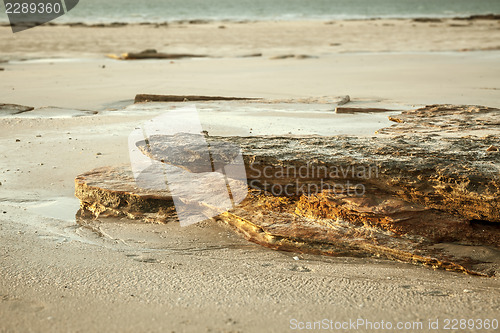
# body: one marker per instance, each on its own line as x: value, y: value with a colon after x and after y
x: 154, y: 11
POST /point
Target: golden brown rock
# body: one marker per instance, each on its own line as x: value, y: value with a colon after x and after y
x: 424, y: 191
x: 323, y: 224
x: 113, y: 192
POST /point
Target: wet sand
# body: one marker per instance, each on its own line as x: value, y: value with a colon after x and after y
x: 60, y: 275
x: 406, y: 79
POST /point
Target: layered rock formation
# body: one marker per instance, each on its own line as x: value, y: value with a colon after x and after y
x: 426, y: 190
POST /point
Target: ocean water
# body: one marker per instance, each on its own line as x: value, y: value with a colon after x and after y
x: 101, y: 11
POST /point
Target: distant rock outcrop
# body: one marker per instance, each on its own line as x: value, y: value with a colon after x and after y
x: 12, y: 109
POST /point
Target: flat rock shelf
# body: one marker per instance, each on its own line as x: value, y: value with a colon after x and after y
x: 425, y: 190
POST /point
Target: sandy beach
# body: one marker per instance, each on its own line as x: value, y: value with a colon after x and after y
x: 63, y: 275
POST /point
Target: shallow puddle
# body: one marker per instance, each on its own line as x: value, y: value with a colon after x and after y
x: 62, y: 208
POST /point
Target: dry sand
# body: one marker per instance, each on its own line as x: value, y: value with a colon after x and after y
x: 57, y: 275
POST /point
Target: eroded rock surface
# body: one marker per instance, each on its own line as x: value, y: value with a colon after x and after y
x: 114, y: 192
x: 424, y: 190
x: 436, y: 156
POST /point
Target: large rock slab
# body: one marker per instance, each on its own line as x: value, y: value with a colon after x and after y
x: 326, y: 224
x: 425, y: 190
x: 436, y: 156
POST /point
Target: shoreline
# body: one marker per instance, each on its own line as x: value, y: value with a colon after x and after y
x: 420, y: 19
